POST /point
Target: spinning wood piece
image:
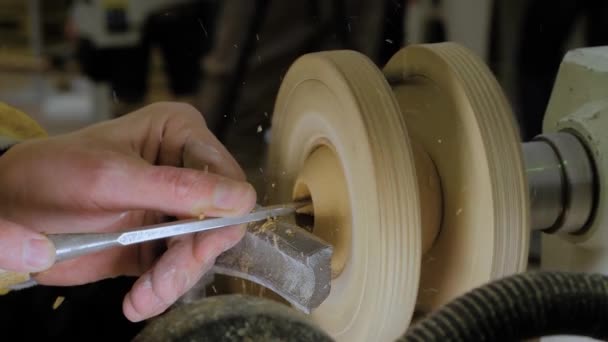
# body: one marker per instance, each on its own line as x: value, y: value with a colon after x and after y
x: 419, y: 187
x: 455, y: 109
x: 338, y: 106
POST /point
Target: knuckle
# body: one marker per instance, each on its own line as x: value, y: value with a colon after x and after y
x: 188, y: 113
x: 180, y: 108
x: 99, y: 173
x: 182, y: 183
x: 186, y: 108
x: 160, y: 106
x: 181, y: 112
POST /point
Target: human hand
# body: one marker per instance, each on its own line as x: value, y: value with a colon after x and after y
x: 116, y: 175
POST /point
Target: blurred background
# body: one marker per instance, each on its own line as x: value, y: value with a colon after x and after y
x: 72, y: 63
x: 69, y: 64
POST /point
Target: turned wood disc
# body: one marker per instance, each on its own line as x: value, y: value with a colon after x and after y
x: 455, y: 109
x: 345, y: 137
x: 340, y: 102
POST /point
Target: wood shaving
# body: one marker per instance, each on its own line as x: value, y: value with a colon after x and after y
x: 275, y: 242
x: 245, y: 263
x: 268, y: 225
x: 58, y: 301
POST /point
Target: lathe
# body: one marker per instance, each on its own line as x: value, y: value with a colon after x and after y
x: 421, y: 185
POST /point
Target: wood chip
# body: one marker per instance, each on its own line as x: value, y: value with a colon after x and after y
x: 58, y: 301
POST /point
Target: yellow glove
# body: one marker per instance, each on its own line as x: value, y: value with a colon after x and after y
x: 16, y: 126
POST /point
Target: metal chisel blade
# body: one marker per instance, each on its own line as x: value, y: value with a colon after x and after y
x: 165, y: 230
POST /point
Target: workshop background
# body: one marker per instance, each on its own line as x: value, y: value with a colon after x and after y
x: 227, y: 59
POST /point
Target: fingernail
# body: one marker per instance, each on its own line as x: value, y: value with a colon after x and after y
x: 38, y: 254
x: 228, y: 194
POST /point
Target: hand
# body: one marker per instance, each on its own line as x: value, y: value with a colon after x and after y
x: 116, y: 175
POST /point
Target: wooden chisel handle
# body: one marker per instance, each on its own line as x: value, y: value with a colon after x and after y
x: 10, y: 278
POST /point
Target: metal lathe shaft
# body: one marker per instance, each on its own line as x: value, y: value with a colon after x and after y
x: 561, y: 182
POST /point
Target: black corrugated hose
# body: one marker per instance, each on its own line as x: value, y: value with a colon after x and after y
x: 523, y: 306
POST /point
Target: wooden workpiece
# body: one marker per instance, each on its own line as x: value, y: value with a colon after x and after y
x: 415, y: 174
x: 340, y: 104
x: 455, y: 109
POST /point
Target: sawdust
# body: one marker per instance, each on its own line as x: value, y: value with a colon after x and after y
x: 269, y: 225
x: 245, y: 263
x: 275, y: 242
x: 58, y: 301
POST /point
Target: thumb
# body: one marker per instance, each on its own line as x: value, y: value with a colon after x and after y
x: 24, y: 250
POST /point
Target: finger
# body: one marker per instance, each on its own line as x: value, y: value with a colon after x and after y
x: 177, y: 131
x: 132, y: 260
x: 182, y: 266
x: 196, y: 147
x: 23, y: 250
x: 171, y: 190
x: 203, y: 150
x: 96, y: 266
